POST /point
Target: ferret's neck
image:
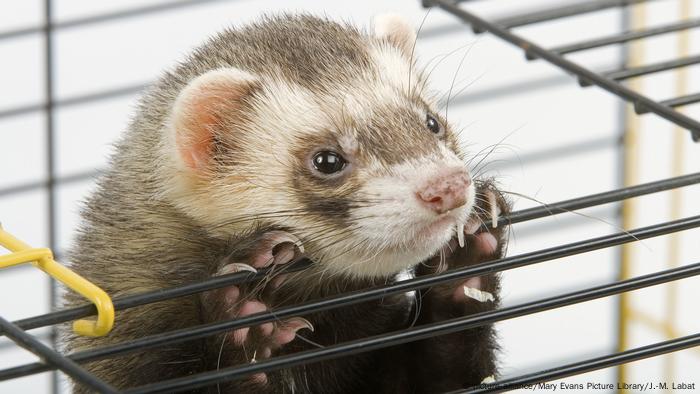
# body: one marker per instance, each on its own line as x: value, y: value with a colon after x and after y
x: 130, y: 234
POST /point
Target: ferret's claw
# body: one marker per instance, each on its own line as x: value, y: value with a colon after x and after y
x: 278, y: 237
x: 297, y: 323
x: 276, y: 247
x: 287, y: 330
x: 236, y: 267
x: 460, y: 235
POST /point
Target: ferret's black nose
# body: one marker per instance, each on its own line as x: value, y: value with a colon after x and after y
x: 446, y: 191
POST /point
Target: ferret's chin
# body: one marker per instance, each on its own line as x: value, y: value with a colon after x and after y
x: 435, y: 234
x: 400, y: 255
x: 384, y: 253
x: 382, y: 265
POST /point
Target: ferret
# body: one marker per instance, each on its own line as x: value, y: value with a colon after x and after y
x: 293, y: 136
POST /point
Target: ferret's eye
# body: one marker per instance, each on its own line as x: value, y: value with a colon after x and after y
x: 433, y: 124
x: 328, y: 162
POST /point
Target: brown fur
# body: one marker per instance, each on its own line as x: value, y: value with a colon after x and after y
x: 140, y: 233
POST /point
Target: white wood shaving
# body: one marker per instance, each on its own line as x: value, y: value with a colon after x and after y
x: 488, y: 379
x: 481, y: 296
x: 495, y: 210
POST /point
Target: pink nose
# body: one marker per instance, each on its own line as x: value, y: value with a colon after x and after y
x: 445, y: 192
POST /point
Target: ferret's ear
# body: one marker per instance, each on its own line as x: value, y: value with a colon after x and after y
x: 201, y: 109
x: 397, y: 30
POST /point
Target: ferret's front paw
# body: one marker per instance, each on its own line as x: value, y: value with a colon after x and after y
x: 273, y: 248
x: 250, y: 344
x: 483, y: 240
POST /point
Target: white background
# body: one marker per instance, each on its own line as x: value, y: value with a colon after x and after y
x: 560, y: 141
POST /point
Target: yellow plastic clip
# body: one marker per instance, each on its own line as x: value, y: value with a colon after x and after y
x: 42, y: 258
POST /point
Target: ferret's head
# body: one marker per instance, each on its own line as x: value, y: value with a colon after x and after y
x: 323, y: 131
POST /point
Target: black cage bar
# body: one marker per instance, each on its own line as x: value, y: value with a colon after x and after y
x: 609, y: 81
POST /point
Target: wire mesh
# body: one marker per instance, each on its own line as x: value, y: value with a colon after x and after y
x: 608, y: 80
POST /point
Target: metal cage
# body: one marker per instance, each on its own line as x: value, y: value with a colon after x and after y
x: 612, y: 81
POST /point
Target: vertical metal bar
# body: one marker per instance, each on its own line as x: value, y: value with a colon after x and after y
x: 50, y: 162
x: 677, y: 162
x: 622, y: 116
x: 630, y: 177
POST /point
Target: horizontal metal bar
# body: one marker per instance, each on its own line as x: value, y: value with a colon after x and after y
x: 54, y: 358
x: 573, y: 223
x: 539, y: 364
x: 76, y: 100
x: 625, y: 37
x: 106, y: 17
x: 231, y: 279
x: 510, y: 90
x: 61, y: 180
x: 21, y: 32
x: 154, y: 296
x: 621, y: 75
x: 429, y: 3
x: 606, y: 83
x: 556, y: 152
x: 440, y: 30
x: 673, y: 103
x: 6, y: 344
x: 359, y: 296
x: 550, y: 14
x: 600, y: 198
x: 592, y: 364
x: 413, y: 334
